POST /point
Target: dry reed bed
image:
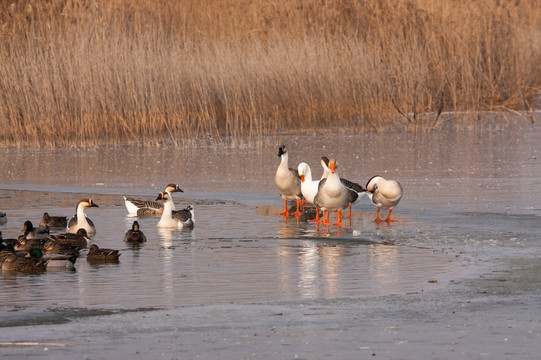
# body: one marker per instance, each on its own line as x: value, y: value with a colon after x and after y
x: 106, y: 72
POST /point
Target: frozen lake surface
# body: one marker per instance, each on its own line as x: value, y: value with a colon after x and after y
x: 455, y: 277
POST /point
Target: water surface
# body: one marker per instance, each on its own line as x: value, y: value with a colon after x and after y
x: 471, y: 200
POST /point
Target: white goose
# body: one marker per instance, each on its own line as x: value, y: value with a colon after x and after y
x: 333, y: 195
x: 309, y: 187
x: 288, y: 182
x: 148, y: 207
x: 80, y: 220
x: 385, y: 194
x: 352, y: 186
x: 182, y: 219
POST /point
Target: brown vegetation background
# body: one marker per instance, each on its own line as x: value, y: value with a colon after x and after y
x: 91, y: 72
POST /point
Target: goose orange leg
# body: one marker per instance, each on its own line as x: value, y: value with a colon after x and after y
x: 339, y: 219
x: 388, y: 220
x: 317, y: 219
x: 297, y: 213
x: 285, y: 213
x: 377, y: 219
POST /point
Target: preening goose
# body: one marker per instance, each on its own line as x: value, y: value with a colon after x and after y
x: 385, y: 194
x: 309, y: 187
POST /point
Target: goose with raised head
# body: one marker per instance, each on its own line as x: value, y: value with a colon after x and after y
x: 148, y: 207
x: 80, y: 220
x: 181, y: 219
x: 333, y: 195
x: 352, y: 186
x: 384, y: 194
x: 288, y: 182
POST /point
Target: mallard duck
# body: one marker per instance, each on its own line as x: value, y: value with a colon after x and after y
x: 150, y: 208
x: 95, y: 254
x: 333, y: 195
x: 135, y: 234
x: 53, y: 221
x: 288, y: 182
x: 385, y: 194
x: 53, y: 247
x: 30, y: 232
x: 182, y: 219
x: 79, y: 240
x: 27, y: 244
x: 5, y: 250
x: 26, y: 264
x: 54, y: 261
x: 80, y: 220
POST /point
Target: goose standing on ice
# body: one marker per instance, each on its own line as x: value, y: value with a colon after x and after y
x: 288, y: 182
x: 309, y: 187
x: 352, y: 186
x: 150, y: 208
x: 333, y: 195
x: 181, y: 219
x: 385, y: 194
x: 80, y: 220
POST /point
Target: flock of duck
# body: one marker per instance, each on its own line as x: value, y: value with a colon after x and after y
x: 37, y: 250
x: 331, y: 193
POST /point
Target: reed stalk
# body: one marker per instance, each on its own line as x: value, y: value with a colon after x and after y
x: 82, y: 72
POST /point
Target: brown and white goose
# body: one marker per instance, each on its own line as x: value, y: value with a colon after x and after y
x: 181, y: 219
x: 333, y: 195
x: 288, y: 182
x: 80, y: 220
x: 385, y: 194
x: 148, y: 207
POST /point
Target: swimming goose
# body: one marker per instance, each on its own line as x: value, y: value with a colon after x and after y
x: 333, y: 195
x: 148, y: 207
x: 53, y: 221
x: 135, y: 235
x: 30, y: 232
x: 309, y: 187
x: 97, y: 254
x: 80, y: 220
x: 288, y: 182
x: 182, y: 219
x: 385, y: 194
x: 352, y: 186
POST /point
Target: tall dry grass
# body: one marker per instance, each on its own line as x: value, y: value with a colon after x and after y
x: 91, y: 72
